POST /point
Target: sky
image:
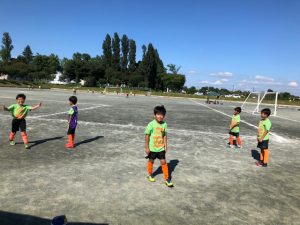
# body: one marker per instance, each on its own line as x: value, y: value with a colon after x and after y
x: 234, y: 44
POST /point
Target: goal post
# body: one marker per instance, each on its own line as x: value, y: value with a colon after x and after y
x: 115, y: 90
x: 256, y: 100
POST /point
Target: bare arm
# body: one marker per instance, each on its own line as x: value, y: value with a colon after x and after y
x: 36, y: 106
x: 147, y: 138
x: 263, y: 136
x: 235, y: 125
x: 166, y: 143
x: 5, y: 108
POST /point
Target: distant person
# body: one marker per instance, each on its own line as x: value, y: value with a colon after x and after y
x: 72, y: 121
x: 74, y: 91
x: 156, y: 144
x: 19, y: 112
x: 263, y: 136
x: 235, y: 128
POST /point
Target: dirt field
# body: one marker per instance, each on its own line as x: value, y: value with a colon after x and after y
x: 103, y: 180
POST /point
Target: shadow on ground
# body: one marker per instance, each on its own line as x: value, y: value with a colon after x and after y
x: 8, y: 218
x: 255, y: 154
x: 171, y: 165
x: 42, y: 141
x: 89, y: 140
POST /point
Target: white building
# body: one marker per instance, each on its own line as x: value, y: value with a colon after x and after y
x: 4, y: 76
x: 57, y: 79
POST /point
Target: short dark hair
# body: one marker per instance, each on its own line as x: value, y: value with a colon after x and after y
x: 73, y: 99
x: 266, y: 111
x: 160, y: 109
x: 21, y: 96
x: 238, y: 109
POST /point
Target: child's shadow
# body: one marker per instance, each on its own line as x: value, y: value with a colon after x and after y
x: 42, y: 141
x: 171, y: 165
x: 255, y: 154
x: 89, y: 140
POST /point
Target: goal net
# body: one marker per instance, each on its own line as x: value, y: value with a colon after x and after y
x: 256, y: 101
x: 114, y: 90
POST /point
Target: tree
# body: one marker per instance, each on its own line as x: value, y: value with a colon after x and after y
x: 6, y: 48
x: 173, y: 69
x: 192, y: 90
x: 43, y: 67
x: 151, y: 66
x: 27, y: 54
x: 132, y: 55
x: 144, y: 48
x: 125, y: 51
x: 107, y: 51
x: 116, y: 52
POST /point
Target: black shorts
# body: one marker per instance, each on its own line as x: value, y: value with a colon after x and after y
x: 263, y: 145
x: 71, y: 130
x: 234, y: 134
x: 18, y: 124
x: 157, y: 155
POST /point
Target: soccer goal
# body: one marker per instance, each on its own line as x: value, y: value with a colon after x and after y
x: 115, y: 90
x: 255, y: 101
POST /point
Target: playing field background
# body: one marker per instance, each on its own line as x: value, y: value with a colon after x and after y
x: 103, y: 180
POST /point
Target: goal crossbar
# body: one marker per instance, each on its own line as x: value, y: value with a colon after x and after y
x: 260, y: 97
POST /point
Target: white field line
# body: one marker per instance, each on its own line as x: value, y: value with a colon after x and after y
x: 49, y: 100
x: 277, y: 137
x: 280, y: 117
x: 59, y: 113
x: 297, y: 121
x: 131, y: 126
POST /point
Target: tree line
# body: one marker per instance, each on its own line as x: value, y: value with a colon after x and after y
x: 116, y: 66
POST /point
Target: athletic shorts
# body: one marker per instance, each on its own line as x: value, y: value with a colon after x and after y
x: 157, y: 155
x: 71, y: 130
x: 18, y: 124
x: 234, y: 134
x: 263, y: 145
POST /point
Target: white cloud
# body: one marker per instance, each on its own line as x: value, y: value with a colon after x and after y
x: 204, y: 82
x: 192, y: 72
x: 217, y: 82
x: 224, y: 80
x: 263, y: 78
x: 293, y: 84
x: 222, y: 74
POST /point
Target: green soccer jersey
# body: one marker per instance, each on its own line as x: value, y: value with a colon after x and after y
x: 264, y: 125
x: 19, y: 111
x: 235, y: 119
x: 157, y: 132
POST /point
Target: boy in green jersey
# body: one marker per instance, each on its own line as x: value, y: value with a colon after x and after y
x: 235, y: 128
x: 263, y: 135
x: 19, y: 112
x: 156, y: 144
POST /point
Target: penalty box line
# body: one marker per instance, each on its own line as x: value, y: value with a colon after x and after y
x: 59, y: 113
x: 277, y: 137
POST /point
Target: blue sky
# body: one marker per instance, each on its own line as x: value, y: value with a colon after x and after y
x: 253, y: 44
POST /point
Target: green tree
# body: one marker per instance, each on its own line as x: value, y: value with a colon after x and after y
x: 144, y: 48
x: 27, y: 54
x: 125, y: 51
x: 6, y: 47
x: 107, y: 51
x: 173, y: 69
x: 132, y: 55
x: 116, y: 52
x: 151, y: 66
